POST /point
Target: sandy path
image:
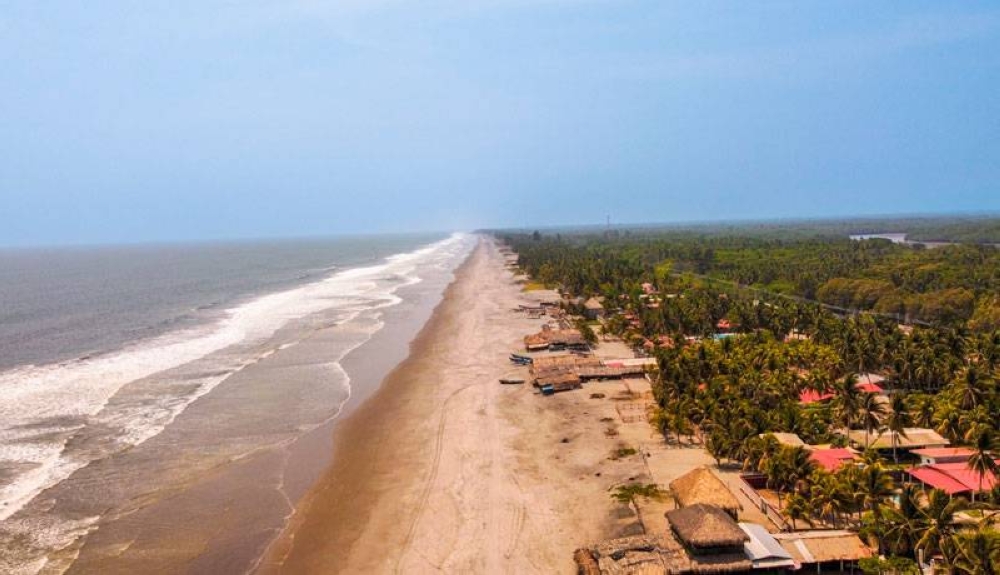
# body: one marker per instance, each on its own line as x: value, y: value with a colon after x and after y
x: 445, y: 470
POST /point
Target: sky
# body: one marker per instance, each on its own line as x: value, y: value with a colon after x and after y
x: 185, y: 120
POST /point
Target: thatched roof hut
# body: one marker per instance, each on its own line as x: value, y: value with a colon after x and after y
x: 560, y: 382
x: 706, y: 528
x: 656, y: 555
x: 702, y: 486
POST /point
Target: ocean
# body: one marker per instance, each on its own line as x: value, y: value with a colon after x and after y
x: 131, y: 377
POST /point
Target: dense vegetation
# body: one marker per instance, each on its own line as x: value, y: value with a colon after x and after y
x: 730, y: 393
x: 953, y: 286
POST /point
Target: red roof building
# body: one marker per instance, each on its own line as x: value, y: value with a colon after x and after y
x: 808, y: 396
x: 953, y: 478
x: 832, y: 459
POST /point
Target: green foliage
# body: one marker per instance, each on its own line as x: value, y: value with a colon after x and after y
x: 888, y: 566
x: 630, y: 492
x: 624, y: 452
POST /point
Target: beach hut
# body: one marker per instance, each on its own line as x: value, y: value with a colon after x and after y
x: 701, y: 486
x: 707, y: 530
x: 593, y: 308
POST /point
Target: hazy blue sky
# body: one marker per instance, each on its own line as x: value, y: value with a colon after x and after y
x: 125, y: 121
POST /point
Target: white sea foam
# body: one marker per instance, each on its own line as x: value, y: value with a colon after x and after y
x: 41, y: 408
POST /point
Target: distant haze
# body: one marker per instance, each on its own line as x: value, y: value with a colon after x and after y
x: 181, y: 120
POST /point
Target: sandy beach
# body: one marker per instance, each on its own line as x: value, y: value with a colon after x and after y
x: 445, y: 470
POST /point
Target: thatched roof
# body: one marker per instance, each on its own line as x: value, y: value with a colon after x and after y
x: 567, y: 360
x: 702, y: 486
x: 586, y: 563
x: 824, y: 546
x: 593, y: 304
x: 563, y: 381
x: 703, y: 526
x: 657, y: 555
x: 606, y: 372
x: 790, y: 439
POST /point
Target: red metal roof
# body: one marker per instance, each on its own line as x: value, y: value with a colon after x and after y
x: 953, y: 478
x: 938, y: 480
x: 870, y: 387
x: 832, y: 459
x: 813, y: 396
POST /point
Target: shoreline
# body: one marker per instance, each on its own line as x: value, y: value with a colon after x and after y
x: 178, y: 501
x: 442, y: 469
x: 283, y: 552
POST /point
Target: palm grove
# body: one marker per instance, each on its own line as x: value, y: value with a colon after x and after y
x: 730, y: 393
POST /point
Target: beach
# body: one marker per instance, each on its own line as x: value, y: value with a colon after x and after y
x: 445, y: 470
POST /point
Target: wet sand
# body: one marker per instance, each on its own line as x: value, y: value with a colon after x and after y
x: 445, y: 470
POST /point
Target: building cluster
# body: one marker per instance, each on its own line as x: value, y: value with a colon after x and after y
x: 705, y: 535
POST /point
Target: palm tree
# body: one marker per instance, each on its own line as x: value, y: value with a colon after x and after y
x: 897, y: 421
x: 903, y: 522
x: 872, y: 412
x: 630, y: 493
x: 797, y: 508
x: 937, y: 521
x: 829, y: 498
x: 969, y: 387
x: 847, y: 399
x: 875, y: 487
x: 976, y: 553
x: 982, y: 463
x: 922, y: 409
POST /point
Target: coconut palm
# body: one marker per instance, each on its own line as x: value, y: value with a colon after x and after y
x: 976, y: 553
x: 875, y: 487
x: 828, y: 497
x: 896, y: 421
x: 872, y: 412
x: 847, y: 399
x: 969, y: 387
x: 937, y: 521
x: 982, y: 462
x: 902, y: 523
x: 797, y: 508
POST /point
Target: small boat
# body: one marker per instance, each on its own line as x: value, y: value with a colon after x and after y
x: 511, y: 380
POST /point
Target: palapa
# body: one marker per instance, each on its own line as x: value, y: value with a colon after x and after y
x: 706, y: 527
x: 659, y: 555
x: 702, y: 486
